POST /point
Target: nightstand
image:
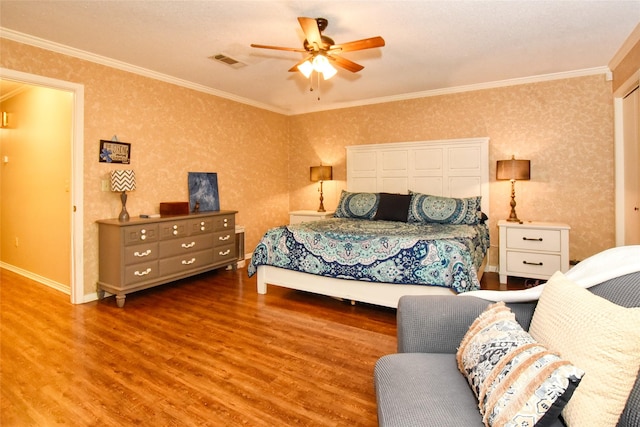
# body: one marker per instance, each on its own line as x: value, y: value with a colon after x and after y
x: 296, y: 217
x: 533, y: 249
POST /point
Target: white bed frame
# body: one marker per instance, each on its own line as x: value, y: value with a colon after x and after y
x: 452, y: 168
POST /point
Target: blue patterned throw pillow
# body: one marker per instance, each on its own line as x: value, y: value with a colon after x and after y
x: 518, y: 382
x: 444, y: 210
x: 357, y: 205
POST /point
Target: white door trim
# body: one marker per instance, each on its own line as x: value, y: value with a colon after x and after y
x: 77, y: 159
x: 619, y: 154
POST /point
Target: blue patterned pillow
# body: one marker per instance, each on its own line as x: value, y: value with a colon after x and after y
x: 444, y: 210
x: 357, y: 205
x: 517, y: 381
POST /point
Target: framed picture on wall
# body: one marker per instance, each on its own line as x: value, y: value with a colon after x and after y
x: 115, y: 152
x: 203, y: 192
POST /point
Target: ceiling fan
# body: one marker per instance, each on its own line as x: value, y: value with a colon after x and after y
x: 323, y: 51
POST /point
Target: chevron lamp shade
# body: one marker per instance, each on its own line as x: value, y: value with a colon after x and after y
x: 123, y: 180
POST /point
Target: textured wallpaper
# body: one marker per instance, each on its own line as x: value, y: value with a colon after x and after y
x: 564, y: 127
x: 172, y: 131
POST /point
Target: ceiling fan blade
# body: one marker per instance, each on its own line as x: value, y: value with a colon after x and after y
x: 289, y: 49
x: 359, y: 44
x: 311, y: 31
x: 345, y: 63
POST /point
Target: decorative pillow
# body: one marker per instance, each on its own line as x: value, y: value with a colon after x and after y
x: 517, y: 381
x: 393, y: 207
x: 357, y: 205
x: 444, y: 210
x: 600, y: 336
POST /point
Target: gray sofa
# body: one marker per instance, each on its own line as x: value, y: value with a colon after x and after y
x: 421, y: 385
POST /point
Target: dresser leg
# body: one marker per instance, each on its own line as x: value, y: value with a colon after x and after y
x: 120, y: 300
x: 503, y: 278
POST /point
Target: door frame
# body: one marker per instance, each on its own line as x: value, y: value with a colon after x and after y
x: 77, y: 167
x: 618, y: 132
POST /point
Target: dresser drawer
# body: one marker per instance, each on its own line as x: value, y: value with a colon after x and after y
x: 140, y: 253
x: 173, y: 229
x: 224, y: 253
x: 224, y: 222
x: 185, y: 245
x: 137, y: 234
x: 224, y: 238
x: 534, y: 264
x: 533, y: 239
x: 140, y: 272
x: 185, y: 262
x: 200, y: 226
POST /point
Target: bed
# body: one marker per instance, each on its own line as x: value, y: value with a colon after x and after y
x: 361, y: 257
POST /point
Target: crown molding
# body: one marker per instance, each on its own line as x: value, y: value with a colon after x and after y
x: 120, y: 65
x: 81, y: 54
x: 626, y: 47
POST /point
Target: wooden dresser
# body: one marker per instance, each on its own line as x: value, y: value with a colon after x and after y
x: 146, y: 252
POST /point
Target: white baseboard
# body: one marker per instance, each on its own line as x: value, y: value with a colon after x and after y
x: 37, y: 278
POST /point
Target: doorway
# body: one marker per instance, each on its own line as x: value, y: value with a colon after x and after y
x: 73, y: 184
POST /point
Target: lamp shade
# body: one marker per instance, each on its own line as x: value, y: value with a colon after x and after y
x: 123, y: 180
x: 321, y: 173
x: 516, y: 170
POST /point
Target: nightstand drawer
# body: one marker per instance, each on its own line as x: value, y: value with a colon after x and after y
x: 533, y: 239
x: 535, y: 264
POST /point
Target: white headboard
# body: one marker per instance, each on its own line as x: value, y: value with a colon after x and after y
x: 450, y: 167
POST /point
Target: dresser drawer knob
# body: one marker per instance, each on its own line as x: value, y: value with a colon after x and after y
x: 175, y: 227
x: 142, y: 254
x: 191, y: 261
x: 143, y: 237
x: 143, y: 231
x: 188, y: 245
x: 227, y: 237
x: 175, y: 232
x: 227, y: 252
x: 538, y: 239
x: 532, y: 263
x: 142, y: 273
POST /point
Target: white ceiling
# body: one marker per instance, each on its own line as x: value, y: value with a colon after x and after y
x: 430, y: 45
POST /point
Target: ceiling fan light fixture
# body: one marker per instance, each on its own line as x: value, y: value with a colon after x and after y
x: 306, y: 68
x: 320, y: 64
x: 329, y: 71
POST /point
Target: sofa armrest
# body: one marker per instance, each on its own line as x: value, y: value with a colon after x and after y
x: 436, y: 324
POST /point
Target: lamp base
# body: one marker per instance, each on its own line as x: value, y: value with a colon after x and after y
x: 321, y: 207
x: 124, y: 215
x: 512, y: 216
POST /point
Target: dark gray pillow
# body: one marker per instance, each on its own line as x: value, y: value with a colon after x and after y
x: 393, y: 207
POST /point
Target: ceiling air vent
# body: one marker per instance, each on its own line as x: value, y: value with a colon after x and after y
x: 234, y: 63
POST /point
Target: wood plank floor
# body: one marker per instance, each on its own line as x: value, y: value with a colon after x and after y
x: 206, y: 351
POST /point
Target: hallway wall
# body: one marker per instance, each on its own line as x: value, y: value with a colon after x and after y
x: 35, y: 217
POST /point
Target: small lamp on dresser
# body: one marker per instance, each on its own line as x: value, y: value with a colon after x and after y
x: 123, y: 181
x: 513, y: 170
x: 320, y: 174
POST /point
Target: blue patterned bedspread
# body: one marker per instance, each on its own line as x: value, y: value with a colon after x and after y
x: 378, y: 251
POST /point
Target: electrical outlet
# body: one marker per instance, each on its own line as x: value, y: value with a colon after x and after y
x: 105, y: 185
